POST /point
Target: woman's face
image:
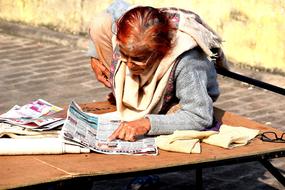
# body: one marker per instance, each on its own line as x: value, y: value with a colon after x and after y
x: 144, y: 35
x: 138, y: 62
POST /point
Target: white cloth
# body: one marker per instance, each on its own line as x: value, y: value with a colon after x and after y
x: 187, y: 141
x: 17, y: 132
x: 230, y: 137
x: 10, y: 146
x: 24, y: 141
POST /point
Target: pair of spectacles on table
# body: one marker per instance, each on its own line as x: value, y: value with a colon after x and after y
x: 271, y: 136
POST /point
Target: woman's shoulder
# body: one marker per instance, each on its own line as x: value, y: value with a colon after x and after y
x: 194, y: 59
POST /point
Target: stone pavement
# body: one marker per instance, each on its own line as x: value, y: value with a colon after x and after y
x: 30, y: 69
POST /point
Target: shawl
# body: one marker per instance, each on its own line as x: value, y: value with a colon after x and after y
x: 139, y: 95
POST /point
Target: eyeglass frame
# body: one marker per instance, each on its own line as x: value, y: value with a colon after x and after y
x: 277, y: 139
x: 125, y: 59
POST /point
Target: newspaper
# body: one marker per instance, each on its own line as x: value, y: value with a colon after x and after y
x: 36, y: 115
x: 92, y: 131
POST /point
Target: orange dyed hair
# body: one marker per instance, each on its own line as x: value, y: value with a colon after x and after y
x: 143, y: 30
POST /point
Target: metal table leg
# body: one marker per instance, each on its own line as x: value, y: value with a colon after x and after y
x: 275, y: 172
x: 199, y: 179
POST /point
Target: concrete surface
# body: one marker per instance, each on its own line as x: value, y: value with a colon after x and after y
x: 31, y: 69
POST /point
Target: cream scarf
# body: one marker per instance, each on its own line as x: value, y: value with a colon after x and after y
x: 139, y: 95
x: 188, y: 141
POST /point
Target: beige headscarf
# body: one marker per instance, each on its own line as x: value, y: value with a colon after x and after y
x: 139, y: 95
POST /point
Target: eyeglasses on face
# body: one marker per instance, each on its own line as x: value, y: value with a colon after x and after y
x: 140, y: 61
x: 271, y: 136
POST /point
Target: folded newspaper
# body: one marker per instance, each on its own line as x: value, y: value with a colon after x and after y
x: 93, y: 130
x: 37, y: 115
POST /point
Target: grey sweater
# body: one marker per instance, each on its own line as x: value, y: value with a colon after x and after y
x: 196, y: 89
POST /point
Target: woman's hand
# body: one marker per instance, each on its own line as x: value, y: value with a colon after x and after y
x: 129, y: 130
x: 102, y: 73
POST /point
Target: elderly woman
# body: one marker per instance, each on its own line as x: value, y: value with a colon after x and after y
x: 153, y: 59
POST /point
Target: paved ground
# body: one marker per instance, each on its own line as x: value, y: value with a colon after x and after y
x: 30, y: 69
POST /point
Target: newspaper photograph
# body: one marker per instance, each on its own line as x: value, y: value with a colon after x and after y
x: 93, y: 130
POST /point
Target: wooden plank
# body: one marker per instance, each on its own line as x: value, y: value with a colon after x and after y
x: 19, y: 171
x: 27, y: 170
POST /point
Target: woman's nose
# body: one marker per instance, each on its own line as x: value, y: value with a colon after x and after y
x: 130, y: 64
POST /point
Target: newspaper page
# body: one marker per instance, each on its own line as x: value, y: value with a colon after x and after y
x: 34, y: 115
x: 92, y: 131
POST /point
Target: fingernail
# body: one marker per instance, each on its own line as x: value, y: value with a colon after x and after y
x: 109, y: 139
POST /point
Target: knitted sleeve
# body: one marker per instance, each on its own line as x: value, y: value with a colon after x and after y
x: 196, y: 89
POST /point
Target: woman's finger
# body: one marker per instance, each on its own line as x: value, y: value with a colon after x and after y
x: 130, y: 134
x: 104, y: 70
x: 116, y: 133
x: 122, y: 133
x: 103, y: 79
x: 99, y: 70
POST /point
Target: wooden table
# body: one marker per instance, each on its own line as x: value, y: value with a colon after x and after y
x: 22, y: 171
